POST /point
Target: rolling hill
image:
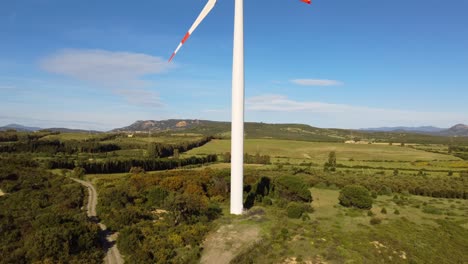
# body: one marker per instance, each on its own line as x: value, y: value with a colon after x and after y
x: 288, y: 131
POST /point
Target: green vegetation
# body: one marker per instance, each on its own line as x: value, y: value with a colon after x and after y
x: 40, y: 218
x: 355, y: 196
x: 373, y: 202
x: 292, y: 189
x: 336, y: 234
x: 161, y: 217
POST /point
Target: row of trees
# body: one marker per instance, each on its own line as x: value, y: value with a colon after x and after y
x: 161, y: 150
x: 120, y: 165
x: 56, y: 146
x: 249, y: 159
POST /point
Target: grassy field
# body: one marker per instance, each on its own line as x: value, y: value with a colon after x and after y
x: 424, y: 230
x: 377, y: 157
x: 160, y: 139
x: 319, y: 151
x: 70, y: 136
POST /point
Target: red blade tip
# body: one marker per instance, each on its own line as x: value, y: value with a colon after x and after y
x: 173, y: 54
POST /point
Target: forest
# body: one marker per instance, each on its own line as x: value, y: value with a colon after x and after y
x: 41, y: 218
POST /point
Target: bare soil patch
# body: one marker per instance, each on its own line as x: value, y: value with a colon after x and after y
x: 223, y: 245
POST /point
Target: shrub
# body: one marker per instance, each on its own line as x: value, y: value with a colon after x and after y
x: 292, y: 189
x: 396, y: 212
x: 383, y: 211
x: 385, y: 190
x: 267, y: 201
x: 355, y: 196
x: 370, y: 213
x: 79, y: 172
x: 375, y: 221
x: 295, y: 210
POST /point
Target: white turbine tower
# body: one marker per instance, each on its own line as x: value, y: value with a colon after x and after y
x: 237, y: 121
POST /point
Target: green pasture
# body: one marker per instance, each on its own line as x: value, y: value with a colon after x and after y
x: 70, y: 136
x: 318, y: 151
x: 143, y: 140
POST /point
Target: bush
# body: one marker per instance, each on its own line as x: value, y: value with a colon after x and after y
x: 79, y: 172
x: 385, y: 190
x: 295, y: 210
x: 292, y: 189
x: 383, y: 211
x: 355, y: 196
x: 267, y: 201
x: 375, y: 221
x: 370, y: 213
x: 396, y: 212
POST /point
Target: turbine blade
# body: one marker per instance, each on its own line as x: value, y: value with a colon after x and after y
x: 206, y: 10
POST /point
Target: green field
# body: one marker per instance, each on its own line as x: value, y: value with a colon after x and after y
x: 318, y: 151
x: 374, y: 157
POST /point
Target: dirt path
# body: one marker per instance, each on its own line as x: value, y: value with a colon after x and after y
x: 108, y: 238
x: 228, y: 241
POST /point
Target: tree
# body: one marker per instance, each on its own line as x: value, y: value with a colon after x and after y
x: 227, y: 157
x: 176, y: 154
x: 78, y: 172
x: 331, y: 164
x: 292, y: 189
x: 355, y: 196
x: 152, y: 151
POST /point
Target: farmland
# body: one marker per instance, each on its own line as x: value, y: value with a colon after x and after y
x: 167, y: 194
x: 368, y: 158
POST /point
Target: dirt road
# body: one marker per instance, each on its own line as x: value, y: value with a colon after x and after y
x: 108, y: 239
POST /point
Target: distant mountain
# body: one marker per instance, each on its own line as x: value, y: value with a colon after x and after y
x: 22, y: 128
x: 456, y: 130
x: 164, y: 125
x: 19, y: 128
x: 421, y: 129
x: 459, y: 130
x: 223, y: 129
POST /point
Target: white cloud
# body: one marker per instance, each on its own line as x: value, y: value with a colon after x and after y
x: 274, y: 107
x: 122, y: 72
x: 316, y: 82
x: 105, y: 68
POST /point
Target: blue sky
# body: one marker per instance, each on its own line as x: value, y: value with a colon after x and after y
x: 348, y: 64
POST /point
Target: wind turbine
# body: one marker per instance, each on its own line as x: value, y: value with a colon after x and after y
x: 237, y: 121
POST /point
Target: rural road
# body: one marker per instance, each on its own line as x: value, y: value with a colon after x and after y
x: 108, y: 239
